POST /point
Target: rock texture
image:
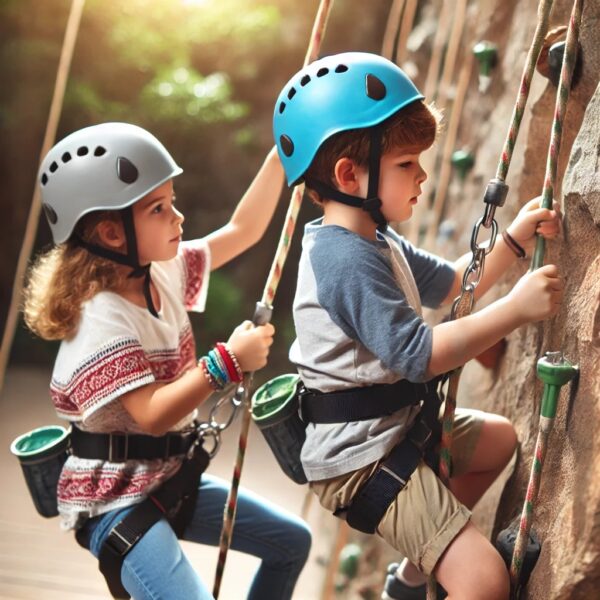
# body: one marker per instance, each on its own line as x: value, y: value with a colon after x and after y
x: 567, y: 515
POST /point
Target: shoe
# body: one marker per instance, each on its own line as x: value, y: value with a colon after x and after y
x: 394, y: 589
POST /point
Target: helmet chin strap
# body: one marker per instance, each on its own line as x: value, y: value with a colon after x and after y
x: 130, y: 259
x: 372, y: 203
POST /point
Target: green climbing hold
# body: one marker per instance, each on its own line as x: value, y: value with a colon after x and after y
x: 462, y: 161
x: 349, y: 559
x: 486, y: 54
x: 555, y: 371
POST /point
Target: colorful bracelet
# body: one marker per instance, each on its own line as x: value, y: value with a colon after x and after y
x: 233, y: 366
x: 202, y: 363
x: 516, y: 248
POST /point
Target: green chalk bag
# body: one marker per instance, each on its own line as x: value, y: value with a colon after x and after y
x: 42, y: 453
x: 276, y: 411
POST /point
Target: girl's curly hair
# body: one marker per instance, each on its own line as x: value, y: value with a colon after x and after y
x: 63, y: 278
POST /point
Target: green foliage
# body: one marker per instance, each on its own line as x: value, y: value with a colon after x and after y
x: 223, y: 307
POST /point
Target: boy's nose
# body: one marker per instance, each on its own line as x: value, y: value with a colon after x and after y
x: 422, y: 175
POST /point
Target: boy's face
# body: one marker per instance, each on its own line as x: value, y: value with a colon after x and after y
x: 157, y: 224
x: 400, y: 182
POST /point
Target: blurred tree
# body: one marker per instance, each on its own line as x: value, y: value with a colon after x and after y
x: 203, y: 77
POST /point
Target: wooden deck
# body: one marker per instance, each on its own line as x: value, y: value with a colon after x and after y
x: 37, y: 560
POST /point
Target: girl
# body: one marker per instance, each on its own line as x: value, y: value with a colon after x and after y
x: 115, y: 290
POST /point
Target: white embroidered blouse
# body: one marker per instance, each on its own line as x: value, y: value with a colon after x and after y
x: 119, y: 347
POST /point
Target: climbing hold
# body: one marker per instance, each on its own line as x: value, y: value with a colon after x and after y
x: 505, y: 544
x: 555, y: 371
x: 349, y: 559
x: 486, y: 54
x: 555, y: 60
x: 462, y: 161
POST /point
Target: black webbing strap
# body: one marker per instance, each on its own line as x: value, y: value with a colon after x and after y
x: 119, y: 447
x: 373, y: 499
x: 391, y: 476
x: 175, y: 500
x: 359, y: 403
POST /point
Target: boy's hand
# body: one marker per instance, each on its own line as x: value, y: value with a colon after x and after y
x: 251, y: 345
x: 537, y: 295
x: 531, y: 220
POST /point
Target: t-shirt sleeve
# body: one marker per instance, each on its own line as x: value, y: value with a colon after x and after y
x: 192, y: 268
x: 101, y: 363
x: 356, y: 286
x: 433, y: 275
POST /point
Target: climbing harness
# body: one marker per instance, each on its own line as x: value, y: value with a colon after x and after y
x: 33, y: 218
x: 553, y: 369
x: 263, y: 315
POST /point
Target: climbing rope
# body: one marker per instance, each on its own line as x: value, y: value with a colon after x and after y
x: 262, y: 315
x: 64, y: 64
x: 494, y: 197
x: 548, y: 409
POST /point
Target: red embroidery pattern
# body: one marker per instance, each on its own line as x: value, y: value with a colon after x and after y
x: 117, y: 366
x: 84, y: 487
x: 194, y: 261
x: 99, y: 377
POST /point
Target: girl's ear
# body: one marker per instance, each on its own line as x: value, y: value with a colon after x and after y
x: 347, y: 175
x: 111, y: 234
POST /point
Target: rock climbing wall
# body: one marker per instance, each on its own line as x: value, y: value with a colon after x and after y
x: 567, y: 513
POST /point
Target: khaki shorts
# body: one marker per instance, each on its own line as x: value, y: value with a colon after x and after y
x: 425, y: 517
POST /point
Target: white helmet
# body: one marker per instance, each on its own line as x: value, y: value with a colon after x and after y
x: 103, y: 167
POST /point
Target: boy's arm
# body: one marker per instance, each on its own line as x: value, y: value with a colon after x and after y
x: 530, y: 220
x: 536, y: 296
x: 251, y: 216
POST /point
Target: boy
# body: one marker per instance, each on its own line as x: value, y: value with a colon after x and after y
x: 352, y: 127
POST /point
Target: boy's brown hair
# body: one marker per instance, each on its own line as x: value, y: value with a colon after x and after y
x: 413, y: 127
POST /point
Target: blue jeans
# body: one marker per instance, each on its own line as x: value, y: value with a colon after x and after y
x: 156, y: 567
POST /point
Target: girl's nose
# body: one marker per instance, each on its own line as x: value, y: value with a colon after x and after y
x: 178, y: 215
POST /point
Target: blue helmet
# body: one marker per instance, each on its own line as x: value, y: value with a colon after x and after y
x: 353, y: 90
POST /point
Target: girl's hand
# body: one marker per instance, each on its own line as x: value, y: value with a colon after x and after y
x: 251, y: 345
x: 533, y: 220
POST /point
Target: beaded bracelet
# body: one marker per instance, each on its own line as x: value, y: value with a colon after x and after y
x: 516, y: 248
x: 202, y: 363
x: 233, y: 366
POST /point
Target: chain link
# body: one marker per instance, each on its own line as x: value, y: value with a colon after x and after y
x: 463, y: 304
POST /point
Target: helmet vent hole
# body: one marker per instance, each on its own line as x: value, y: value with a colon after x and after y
x: 305, y: 80
x: 44, y: 179
x: 341, y: 69
x: 53, y: 167
x: 82, y: 151
x: 50, y: 213
x: 66, y: 157
x: 322, y: 72
x: 286, y: 145
x: 126, y: 170
x: 281, y: 108
x: 375, y: 88
x: 99, y: 151
x: 291, y: 93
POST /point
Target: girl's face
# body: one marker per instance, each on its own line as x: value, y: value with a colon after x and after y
x: 157, y: 225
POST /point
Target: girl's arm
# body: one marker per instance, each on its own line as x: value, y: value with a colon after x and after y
x: 251, y: 216
x: 531, y: 220
x: 158, y: 407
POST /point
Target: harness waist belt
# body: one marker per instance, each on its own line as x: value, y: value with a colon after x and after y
x: 119, y: 447
x: 360, y: 403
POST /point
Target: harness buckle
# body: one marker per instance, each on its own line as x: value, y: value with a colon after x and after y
x: 118, y: 543
x: 118, y: 447
x: 420, y: 434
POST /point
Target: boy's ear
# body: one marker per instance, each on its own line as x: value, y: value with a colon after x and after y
x: 346, y: 173
x: 111, y: 233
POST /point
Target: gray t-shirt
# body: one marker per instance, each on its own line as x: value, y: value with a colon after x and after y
x: 355, y: 327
